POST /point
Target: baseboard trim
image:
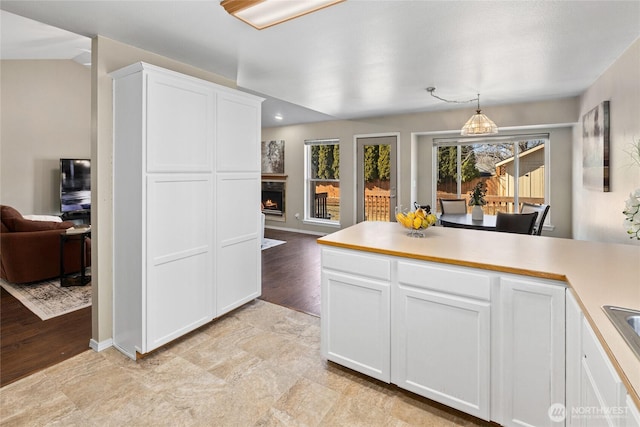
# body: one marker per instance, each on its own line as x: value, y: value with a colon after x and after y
x: 100, y: 346
x: 296, y: 230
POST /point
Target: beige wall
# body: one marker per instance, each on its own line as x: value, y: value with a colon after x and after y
x: 598, y: 215
x: 107, y: 56
x: 46, y: 115
x: 558, y: 115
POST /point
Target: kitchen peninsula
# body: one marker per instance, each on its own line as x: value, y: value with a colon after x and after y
x: 502, y: 326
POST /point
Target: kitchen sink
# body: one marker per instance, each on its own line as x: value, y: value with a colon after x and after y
x: 627, y: 322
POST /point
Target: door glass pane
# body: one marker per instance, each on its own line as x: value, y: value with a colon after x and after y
x: 508, y: 182
x: 493, y: 164
x: 447, y: 186
x: 324, y: 182
x: 377, y: 179
x: 531, y: 181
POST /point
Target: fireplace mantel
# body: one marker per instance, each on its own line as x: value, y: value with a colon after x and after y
x: 274, y: 177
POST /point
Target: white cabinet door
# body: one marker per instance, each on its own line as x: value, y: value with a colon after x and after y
x: 356, y: 323
x: 602, y: 392
x: 238, y: 261
x: 237, y: 134
x: 533, y: 328
x: 180, y: 124
x: 442, y: 341
x: 573, y: 345
x: 178, y: 291
x: 632, y: 413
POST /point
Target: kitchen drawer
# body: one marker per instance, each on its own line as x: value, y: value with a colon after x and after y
x: 376, y: 267
x: 450, y: 280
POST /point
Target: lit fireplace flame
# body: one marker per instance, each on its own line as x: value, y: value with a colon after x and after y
x: 270, y: 204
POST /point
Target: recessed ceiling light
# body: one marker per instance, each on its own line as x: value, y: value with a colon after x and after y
x: 278, y: 117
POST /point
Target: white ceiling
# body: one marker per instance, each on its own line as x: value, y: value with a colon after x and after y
x: 363, y: 58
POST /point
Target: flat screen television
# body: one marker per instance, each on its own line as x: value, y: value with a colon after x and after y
x: 75, y: 185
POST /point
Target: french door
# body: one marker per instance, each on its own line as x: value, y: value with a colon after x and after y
x: 376, y: 178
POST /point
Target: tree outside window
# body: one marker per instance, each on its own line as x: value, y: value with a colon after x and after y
x: 322, y: 189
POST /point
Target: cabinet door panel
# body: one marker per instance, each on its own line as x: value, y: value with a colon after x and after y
x: 443, y: 349
x: 180, y: 121
x: 178, y: 216
x: 600, y: 384
x: 238, y: 134
x: 534, y: 350
x: 356, y: 323
x: 178, y: 299
x: 237, y: 207
x: 179, y: 276
x: 237, y: 275
x: 238, y: 262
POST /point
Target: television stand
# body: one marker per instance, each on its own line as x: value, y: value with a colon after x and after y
x: 79, y: 217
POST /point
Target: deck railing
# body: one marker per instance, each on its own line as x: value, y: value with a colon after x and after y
x: 494, y: 204
x: 376, y: 207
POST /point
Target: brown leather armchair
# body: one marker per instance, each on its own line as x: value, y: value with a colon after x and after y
x: 30, y: 250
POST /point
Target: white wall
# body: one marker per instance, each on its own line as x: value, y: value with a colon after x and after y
x: 46, y: 116
x: 520, y: 118
x: 598, y: 215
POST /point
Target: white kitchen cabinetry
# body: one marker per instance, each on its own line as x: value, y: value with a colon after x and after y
x: 168, y: 144
x: 595, y: 394
x: 442, y: 327
x: 601, y: 391
x: 632, y: 413
x: 533, y: 349
x: 238, y: 183
x: 573, y: 359
x: 356, y: 310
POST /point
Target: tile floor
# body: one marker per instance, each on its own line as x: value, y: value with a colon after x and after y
x: 258, y: 366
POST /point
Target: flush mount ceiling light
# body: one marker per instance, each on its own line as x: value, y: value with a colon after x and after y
x: 262, y: 14
x: 478, y: 124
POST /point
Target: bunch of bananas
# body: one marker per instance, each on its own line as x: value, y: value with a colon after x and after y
x: 417, y: 220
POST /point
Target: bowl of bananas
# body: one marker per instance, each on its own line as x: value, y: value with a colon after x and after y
x: 415, y: 221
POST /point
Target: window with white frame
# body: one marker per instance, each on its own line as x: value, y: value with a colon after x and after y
x: 322, y: 180
x: 513, y: 169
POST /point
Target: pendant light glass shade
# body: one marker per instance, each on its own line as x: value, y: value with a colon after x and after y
x: 479, y: 124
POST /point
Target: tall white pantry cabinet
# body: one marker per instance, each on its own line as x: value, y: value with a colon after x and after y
x: 186, y: 195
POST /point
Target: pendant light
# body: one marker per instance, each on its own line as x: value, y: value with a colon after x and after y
x: 478, y: 124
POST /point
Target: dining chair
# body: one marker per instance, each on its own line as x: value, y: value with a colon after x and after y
x: 453, y: 206
x: 542, y: 210
x: 520, y: 223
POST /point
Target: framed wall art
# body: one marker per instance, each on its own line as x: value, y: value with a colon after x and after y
x: 273, y: 157
x: 595, y: 148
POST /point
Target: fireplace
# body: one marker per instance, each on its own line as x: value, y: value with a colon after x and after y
x: 273, y: 198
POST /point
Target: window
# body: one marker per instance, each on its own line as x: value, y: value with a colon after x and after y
x: 513, y: 169
x: 322, y: 180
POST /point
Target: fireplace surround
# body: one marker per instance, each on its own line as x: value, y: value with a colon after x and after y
x: 273, y: 197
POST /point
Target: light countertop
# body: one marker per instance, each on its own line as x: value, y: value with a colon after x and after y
x: 598, y: 273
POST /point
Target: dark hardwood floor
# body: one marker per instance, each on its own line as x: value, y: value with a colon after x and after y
x: 290, y: 277
x: 30, y: 344
x: 291, y: 272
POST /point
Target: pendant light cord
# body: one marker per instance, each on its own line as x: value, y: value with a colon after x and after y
x: 432, y: 89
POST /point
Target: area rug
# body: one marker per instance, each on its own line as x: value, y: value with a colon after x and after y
x: 270, y: 243
x: 47, y: 299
